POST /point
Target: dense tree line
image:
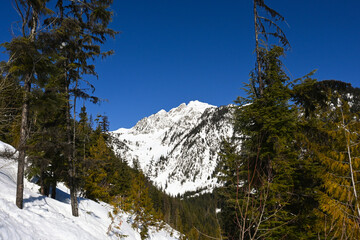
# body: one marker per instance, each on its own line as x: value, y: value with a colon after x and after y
x: 291, y: 171
x: 296, y: 174
x: 193, y: 215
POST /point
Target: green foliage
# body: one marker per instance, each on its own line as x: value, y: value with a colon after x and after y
x: 296, y: 173
x: 96, y: 183
x: 331, y: 136
x: 140, y: 204
x: 260, y: 179
x: 10, y: 102
x: 45, y: 147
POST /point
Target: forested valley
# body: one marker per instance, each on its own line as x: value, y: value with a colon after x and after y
x: 291, y: 170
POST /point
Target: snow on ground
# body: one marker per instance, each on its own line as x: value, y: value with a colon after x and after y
x: 47, y: 218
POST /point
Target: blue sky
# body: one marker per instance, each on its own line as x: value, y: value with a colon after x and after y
x: 175, y: 51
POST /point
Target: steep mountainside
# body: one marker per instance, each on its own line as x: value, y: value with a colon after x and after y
x: 177, y: 150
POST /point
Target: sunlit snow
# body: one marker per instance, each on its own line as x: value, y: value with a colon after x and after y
x: 47, y: 218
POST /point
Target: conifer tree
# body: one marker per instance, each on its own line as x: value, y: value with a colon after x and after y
x: 96, y: 180
x: 331, y: 131
x: 25, y: 61
x: 45, y: 151
x: 260, y: 180
x: 141, y: 206
x: 84, y: 132
x: 78, y: 30
x: 104, y: 176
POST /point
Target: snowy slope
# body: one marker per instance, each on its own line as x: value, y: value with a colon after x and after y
x: 47, y: 218
x: 177, y: 150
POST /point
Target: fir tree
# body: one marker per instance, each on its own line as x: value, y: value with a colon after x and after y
x: 77, y: 33
x: 83, y: 132
x: 46, y: 145
x: 24, y: 62
x: 96, y: 180
x: 141, y: 206
x: 331, y: 135
x: 260, y: 180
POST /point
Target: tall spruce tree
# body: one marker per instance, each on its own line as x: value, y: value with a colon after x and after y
x: 25, y: 61
x: 259, y: 180
x: 78, y: 31
x: 97, y: 177
x: 84, y: 132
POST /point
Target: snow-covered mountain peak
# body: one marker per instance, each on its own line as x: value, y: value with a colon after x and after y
x: 177, y: 149
x: 199, y: 105
x: 162, y: 112
x: 192, y: 106
x: 184, y: 114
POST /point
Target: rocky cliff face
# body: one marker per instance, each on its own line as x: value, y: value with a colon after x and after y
x: 177, y: 150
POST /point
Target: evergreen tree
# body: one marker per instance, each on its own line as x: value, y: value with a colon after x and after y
x: 45, y: 150
x: 83, y: 132
x: 25, y: 63
x: 331, y: 135
x: 141, y: 206
x: 260, y: 180
x: 79, y: 29
x: 104, y: 176
x: 96, y: 181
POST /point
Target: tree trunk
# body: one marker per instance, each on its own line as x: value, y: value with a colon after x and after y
x: 24, y: 118
x: 22, y: 144
x: 42, y: 184
x: 74, y: 202
x: 53, y: 190
x: 74, y: 128
x: 71, y: 160
x: 353, y: 182
x: 72, y: 169
x: 257, y: 49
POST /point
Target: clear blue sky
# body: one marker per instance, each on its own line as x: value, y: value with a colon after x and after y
x: 175, y: 51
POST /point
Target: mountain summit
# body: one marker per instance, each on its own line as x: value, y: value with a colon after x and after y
x: 177, y: 150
